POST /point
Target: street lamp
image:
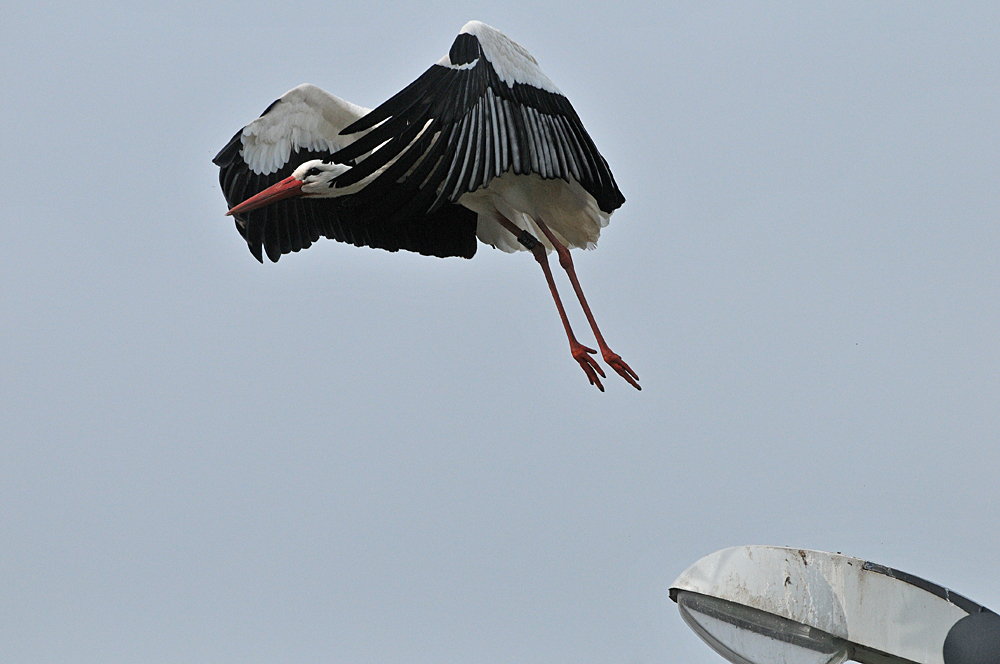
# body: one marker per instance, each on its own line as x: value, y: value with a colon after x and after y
x: 778, y: 605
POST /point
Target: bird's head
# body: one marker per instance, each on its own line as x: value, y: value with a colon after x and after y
x: 311, y: 179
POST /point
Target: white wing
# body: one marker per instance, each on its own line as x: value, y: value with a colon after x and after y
x: 304, y: 118
x: 305, y: 124
x: 481, y: 111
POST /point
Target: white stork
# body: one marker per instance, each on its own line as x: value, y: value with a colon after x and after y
x: 482, y: 145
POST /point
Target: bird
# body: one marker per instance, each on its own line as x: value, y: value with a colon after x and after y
x: 482, y: 145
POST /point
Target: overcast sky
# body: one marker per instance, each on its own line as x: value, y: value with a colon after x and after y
x: 358, y: 456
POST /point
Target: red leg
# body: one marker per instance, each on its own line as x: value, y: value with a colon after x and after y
x: 613, y: 359
x: 581, y: 353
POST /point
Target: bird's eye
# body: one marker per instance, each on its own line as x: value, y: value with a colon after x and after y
x: 312, y: 171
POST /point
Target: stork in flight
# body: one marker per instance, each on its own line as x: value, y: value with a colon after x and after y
x: 482, y: 145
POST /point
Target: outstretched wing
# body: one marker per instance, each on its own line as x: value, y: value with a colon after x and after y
x: 301, y: 125
x: 484, y: 109
x: 305, y: 124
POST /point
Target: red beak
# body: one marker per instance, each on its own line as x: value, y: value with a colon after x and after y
x: 287, y: 188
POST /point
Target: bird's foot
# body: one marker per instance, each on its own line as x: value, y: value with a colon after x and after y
x: 615, y: 361
x: 582, y: 354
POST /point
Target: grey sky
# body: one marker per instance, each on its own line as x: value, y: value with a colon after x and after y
x: 357, y: 456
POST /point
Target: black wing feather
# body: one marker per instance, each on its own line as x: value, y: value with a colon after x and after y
x: 485, y: 128
x: 292, y: 225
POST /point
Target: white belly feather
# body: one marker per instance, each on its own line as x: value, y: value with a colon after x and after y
x: 566, y: 208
